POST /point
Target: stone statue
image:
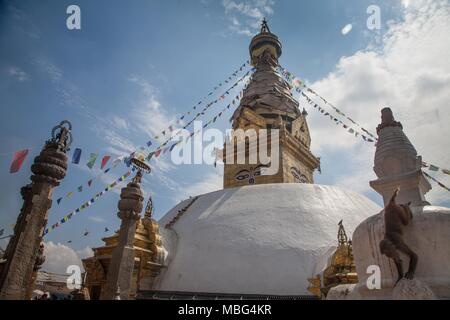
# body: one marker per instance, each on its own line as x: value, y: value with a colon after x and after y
x: 396, y: 217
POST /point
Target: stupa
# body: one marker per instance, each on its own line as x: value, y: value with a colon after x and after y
x: 262, y: 235
x: 428, y: 235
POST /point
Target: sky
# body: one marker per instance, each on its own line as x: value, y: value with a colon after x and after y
x: 135, y: 66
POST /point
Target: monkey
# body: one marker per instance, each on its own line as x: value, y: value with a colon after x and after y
x: 396, y: 217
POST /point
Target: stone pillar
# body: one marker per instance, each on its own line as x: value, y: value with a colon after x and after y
x: 49, y: 168
x: 397, y: 164
x: 121, y: 267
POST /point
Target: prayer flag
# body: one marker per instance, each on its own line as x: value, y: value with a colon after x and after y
x: 433, y: 168
x: 150, y: 155
x: 59, y: 200
x: 76, y: 156
x: 149, y: 143
x: 157, y: 153
x: 92, y: 160
x: 69, y: 195
x: 18, y: 159
x: 80, y: 189
x: 90, y: 182
x: 446, y: 171
x: 105, y: 161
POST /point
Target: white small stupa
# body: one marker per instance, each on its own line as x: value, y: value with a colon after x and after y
x: 428, y: 235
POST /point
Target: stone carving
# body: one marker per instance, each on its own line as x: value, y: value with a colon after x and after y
x: 24, y: 252
x: 396, y: 217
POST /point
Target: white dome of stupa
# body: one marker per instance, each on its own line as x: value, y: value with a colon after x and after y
x: 261, y: 239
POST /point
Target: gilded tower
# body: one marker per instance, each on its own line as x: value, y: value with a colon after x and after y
x: 267, y: 103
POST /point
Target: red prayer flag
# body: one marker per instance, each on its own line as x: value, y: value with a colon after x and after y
x: 105, y: 161
x: 18, y: 159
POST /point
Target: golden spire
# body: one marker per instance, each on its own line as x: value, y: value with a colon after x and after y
x: 264, y: 26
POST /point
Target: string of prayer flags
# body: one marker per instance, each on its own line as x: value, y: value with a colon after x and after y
x: 432, y: 167
x: 105, y: 160
x: 18, y: 159
x: 156, y: 153
x: 170, y: 128
x: 337, y: 121
x: 435, y: 180
x: 300, y: 85
x: 92, y: 160
x: 76, y: 156
x: 87, y: 204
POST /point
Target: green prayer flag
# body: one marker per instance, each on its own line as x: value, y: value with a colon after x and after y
x: 92, y: 160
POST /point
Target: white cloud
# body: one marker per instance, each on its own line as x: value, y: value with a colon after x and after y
x: 245, y: 16
x: 345, y: 30
x: 58, y: 257
x: 410, y: 72
x: 85, y: 253
x: 120, y: 123
x: 97, y: 219
x: 18, y: 74
x: 67, y: 92
x: 405, y: 3
x: 212, y: 181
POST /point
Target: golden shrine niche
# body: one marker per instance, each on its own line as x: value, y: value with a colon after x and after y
x: 341, y: 269
x: 149, y: 256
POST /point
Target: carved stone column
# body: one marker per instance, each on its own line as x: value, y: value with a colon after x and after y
x: 49, y: 168
x: 121, y: 268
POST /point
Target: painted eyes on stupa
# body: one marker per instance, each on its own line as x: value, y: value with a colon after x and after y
x: 243, y: 176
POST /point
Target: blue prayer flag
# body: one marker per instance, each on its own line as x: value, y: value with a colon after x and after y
x: 76, y: 156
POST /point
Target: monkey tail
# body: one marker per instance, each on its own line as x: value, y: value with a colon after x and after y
x: 394, y: 195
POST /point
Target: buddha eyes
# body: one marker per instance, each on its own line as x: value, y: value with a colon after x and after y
x: 243, y: 176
